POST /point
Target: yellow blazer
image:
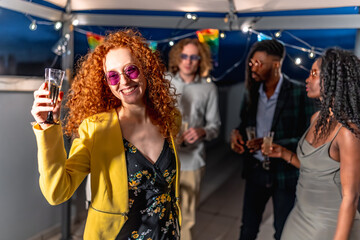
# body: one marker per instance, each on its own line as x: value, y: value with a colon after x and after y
x: 99, y: 150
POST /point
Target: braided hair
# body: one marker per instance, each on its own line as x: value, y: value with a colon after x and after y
x: 339, y: 91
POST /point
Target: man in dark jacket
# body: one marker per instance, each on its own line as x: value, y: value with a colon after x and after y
x: 275, y: 103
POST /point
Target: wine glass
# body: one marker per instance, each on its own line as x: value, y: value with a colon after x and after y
x: 267, y: 141
x: 54, y: 79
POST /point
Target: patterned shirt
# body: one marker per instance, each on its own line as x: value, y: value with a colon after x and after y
x: 152, y: 214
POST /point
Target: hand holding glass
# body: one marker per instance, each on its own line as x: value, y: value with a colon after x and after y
x: 250, y: 133
x: 54, y: 79
x: 184, y: 127
x: 267, y: 141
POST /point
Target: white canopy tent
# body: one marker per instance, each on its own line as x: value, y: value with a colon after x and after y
x: 228, y: 7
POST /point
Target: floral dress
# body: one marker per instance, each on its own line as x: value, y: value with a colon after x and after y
x: 152, y: 214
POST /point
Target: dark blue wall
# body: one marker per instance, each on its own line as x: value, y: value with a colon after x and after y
x: 25, y: 52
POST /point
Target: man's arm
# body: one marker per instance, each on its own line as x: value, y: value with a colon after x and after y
x: 212, y: 115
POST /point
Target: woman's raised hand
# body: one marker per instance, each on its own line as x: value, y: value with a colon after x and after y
x: 42, y: 104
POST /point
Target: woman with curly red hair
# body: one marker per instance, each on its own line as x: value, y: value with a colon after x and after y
x: 123, y: 115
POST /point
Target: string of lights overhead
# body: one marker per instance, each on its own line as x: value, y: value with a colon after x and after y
x: 192, y: 17
x: 34, y: 23
x: 311, y: 50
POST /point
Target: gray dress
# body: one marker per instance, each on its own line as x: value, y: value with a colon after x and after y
x: 318, y: 196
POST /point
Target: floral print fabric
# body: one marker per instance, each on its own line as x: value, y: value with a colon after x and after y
x: 152, y: 214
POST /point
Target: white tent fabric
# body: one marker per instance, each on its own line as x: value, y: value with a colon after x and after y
x: 227, y: 7
x: 240, y: 6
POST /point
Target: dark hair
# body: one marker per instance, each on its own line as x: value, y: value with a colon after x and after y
x: 271, y: 47
x: 339, y: 89
x: 205, y: 64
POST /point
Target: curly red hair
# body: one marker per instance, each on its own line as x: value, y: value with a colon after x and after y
x: 90, y: 93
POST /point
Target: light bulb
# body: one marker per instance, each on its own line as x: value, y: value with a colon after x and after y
x: 57, y: 25
x: 222, y: 35
x: 188, y: 15
x: 278, y: 34
x: 33, y: 25
x: 75, y: 22
x: 194, y: 17
x: 171, y: 43
x: 245, y: 29
x: 298, y: 61
x: 311, y: 54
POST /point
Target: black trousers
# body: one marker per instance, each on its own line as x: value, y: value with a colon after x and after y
x: 260, y: 186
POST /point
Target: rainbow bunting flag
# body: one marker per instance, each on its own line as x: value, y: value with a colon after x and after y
x: 94, y: 40
x: 211, y: 37
x: 152, y: 45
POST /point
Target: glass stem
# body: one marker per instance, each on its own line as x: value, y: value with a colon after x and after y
x: 50, y: 118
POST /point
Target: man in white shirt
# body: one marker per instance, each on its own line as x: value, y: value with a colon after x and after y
x: 189, y: 64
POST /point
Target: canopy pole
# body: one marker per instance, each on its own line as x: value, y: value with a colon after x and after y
x: 67, y: 62
x: 357, y: 43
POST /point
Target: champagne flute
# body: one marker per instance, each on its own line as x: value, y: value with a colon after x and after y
x: 250, y: 133
x: 184, y: 128
x: 267, y: 141
x: 54, y: 79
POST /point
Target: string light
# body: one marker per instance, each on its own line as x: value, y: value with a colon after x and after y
x: 245, y: 29
x: 58, y: 25
x: 191, y: 16
x: 33, y: 25
x: 61, y: 45
x: 278, y: 33
x: 312, y: 53
x: 75, y: 22
x: 298, y: 61
x: 188, y: 16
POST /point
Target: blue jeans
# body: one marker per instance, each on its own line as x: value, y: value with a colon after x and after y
x: 257, y: 194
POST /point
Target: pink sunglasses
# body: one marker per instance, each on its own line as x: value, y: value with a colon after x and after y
x: 131, y: 72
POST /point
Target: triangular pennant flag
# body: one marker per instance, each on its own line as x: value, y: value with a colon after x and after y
x: 211, y: 37
x: 94, y: 40
x: 152, y: 45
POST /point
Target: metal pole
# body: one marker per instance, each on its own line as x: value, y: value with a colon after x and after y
x: 357, y: 43
x: 67, y: 65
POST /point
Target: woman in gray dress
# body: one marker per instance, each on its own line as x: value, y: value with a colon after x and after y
x: 328, y: 154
